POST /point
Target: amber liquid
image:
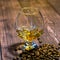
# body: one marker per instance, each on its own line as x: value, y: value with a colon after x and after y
x: 29, y: 35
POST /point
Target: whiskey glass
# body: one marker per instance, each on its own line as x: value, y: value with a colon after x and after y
x: 29, y: 26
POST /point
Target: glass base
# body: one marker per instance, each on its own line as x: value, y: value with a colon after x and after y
x: 29, y: 46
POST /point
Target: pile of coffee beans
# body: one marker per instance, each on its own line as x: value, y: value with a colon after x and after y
x: 44, y: 52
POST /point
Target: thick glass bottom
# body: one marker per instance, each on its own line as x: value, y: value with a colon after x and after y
x: 29, y: 46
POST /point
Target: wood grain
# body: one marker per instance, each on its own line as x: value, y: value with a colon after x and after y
x: 8, y: 12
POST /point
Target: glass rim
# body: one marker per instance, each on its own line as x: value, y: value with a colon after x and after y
x: 30, y: 10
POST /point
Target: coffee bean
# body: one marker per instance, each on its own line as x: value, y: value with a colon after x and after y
x: 44, y: 52
x: 19, y: 48
x: 17, y: 58
x: 15, y: 49
x: 14, y: 59
x: 38, y: 38
x: 59, y: 44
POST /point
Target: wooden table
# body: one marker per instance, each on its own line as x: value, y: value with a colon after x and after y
x: 8, y: 12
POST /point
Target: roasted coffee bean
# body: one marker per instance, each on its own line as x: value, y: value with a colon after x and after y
x: 59, y: 44
x: 32, y: 54
x: 38, y: 38
x: 58, y: 47
x: 14, y: 59
x: 28, y: 55
x: 15, y: 49
x: 56, y: 59
x: 17, y: 58
x: 44, y: 52
x: 40, y: 41
x: 19, y: 48
x: 37, y: 53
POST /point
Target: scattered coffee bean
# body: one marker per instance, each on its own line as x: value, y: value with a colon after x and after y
x: 44, y: 52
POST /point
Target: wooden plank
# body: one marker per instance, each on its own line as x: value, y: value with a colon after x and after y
x: 56, y: 5
x: 1, y: 35
x: 51, y: 16
x: 8, y: 37
x: 10, y: 10
x: 0, y: 53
